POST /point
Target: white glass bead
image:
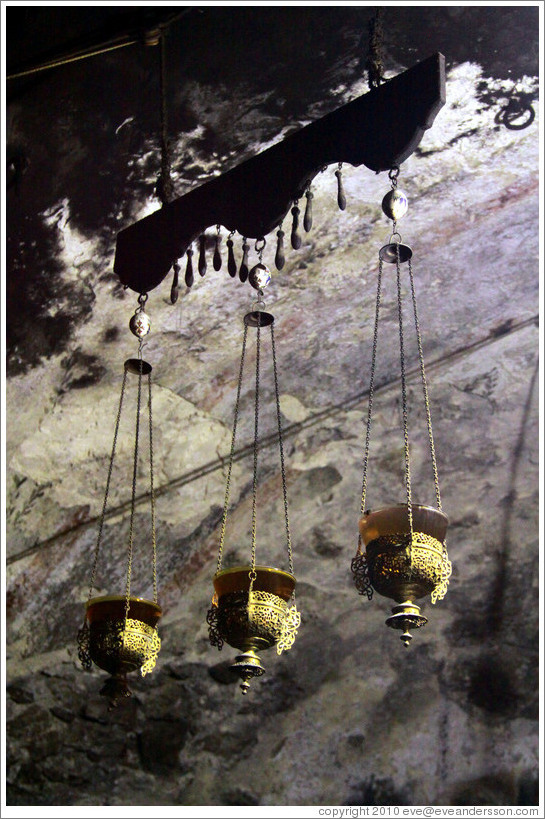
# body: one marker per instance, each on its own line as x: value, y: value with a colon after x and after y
x: 140, y: 324
x: 395, y: 204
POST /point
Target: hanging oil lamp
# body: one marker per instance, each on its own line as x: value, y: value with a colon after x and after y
x: 250, y: 608
x: 405, y: 555
x: 119, y: 633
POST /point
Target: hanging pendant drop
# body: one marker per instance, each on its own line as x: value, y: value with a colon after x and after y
x: 279, y: 259
x: 174, y: 289
x: 231, y: 262
x: 341, y: 198
x: 189, y: 277
x: 307, y: 219
x: 216, y: 260
x: 244, y: 270
x: 295, y: 238
x: 202, y: 255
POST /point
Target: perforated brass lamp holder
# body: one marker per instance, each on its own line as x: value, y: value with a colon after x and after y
x: 252, y: 614
x: 402, y: 566
x: 120, y: 642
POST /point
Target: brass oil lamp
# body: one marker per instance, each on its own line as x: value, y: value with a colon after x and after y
x: 119, y: 633
x: 251, y: 608
x: 405, y: 555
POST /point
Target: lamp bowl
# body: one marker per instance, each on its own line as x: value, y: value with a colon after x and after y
x: 252, y: 621
x: 398, y: 568
x: 120, y: 645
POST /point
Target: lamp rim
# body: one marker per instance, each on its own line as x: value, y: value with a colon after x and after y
x: 413, y: 506
x: 114, y: 598
x: 246, y: 566
x: 268, y: 578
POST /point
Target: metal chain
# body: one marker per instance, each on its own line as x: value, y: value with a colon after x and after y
x: 232, y: 453
x: 105, y: 503
x: 152, y: 494
x: 374, y: 65
x: 281, y: 448
x: 425, y: 390
x: 404, y: 399
x: 371, y: 392
x: 393, y: 175
x: 133, y: 493
x: 256, y: 447
x: 165, y: 186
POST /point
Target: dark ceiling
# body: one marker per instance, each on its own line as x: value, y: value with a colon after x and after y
x: 290, y: 63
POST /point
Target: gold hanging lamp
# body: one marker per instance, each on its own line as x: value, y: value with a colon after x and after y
x: 250, y: 608
x: 119, y: 633
x: 405, y: 554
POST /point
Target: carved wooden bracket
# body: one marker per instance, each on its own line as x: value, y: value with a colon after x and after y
x: 379, y: 129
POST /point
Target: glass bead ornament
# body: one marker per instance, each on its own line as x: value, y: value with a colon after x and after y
x: 259, y: 276
x: 402, y: 551
x: 140, y: 323
x: 250, y: 607
x: 395, y: 204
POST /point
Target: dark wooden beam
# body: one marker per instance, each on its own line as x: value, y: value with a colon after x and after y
x: 379, y: 130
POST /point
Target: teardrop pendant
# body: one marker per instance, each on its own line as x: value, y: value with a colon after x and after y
x: 216, y: 260
x: 307, y: 220
x: 243, y: 272
x: 174, y: 289
x: 279, y: 258
x: 202, y: 255
x: 189, y: 277
x: 295, y: 238
x: 341, y: 198
x: 231, y: 262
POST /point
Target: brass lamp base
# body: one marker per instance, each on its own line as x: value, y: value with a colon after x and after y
x: 406, y: 616
x: 247, y: 666
x: 115, y: 689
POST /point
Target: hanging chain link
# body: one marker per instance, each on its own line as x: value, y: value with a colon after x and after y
x: 404, y: 399
x: 281, y: 448
x: 165, y: 188
x: 232, y: 452
x: 108, y: 480
x: 393, y: 175
x: 256, y: 449
x: 425, y: 390
x: 152, y: 495
x: 371, y: 392
x: 133, y: 492
x: 374, y: 64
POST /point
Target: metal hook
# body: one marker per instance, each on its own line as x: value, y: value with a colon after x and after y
x: 393, y: 174
x: 260, y: 247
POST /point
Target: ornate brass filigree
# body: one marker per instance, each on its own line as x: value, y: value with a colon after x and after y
x: 405, y: 569
x: 290, y: 626
x: 360, y: 571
